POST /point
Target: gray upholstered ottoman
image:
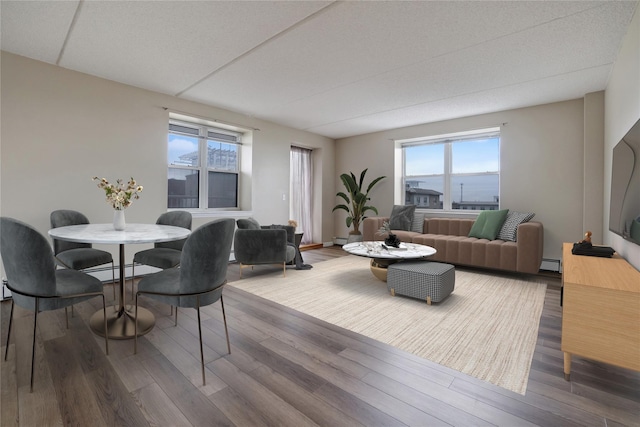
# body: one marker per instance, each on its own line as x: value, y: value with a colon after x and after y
x: 430, y: 281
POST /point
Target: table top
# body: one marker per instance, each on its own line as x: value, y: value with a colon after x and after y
x: 133, y: 233
x: 376, y: 250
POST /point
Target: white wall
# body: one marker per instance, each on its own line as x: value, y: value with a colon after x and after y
x: 541, y: 149
x: 622, y: 110
x: 60, y: 128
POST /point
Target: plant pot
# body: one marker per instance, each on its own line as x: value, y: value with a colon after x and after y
x: 353, y: 237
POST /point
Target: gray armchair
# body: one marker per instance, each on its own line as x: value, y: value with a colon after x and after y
x: 254, y: 244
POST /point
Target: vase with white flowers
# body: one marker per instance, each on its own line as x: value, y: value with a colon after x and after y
x: 120, y: 196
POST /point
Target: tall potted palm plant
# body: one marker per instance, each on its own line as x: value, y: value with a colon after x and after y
x: 356, y: 201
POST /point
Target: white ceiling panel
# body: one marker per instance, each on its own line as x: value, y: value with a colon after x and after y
x: 520, y: 57
x: 334, y: 68
x: 509, y: 97
x: 353, y: 41
x: 168, y: 46
x: 35, y: 29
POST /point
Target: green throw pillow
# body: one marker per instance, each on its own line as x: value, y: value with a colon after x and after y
x: 488, y: 224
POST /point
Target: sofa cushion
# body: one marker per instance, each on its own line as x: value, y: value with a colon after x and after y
x: 509, y: 229
x: 248, y: 224
x: 449, y: 226
x: 488, y: 224
x: 401, y: 217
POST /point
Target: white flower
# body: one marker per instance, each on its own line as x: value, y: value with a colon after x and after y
x: 119, y: 195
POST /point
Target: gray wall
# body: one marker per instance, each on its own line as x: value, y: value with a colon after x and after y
x: 541, y: 154
x: 60, y: 128
x: 622, y: 110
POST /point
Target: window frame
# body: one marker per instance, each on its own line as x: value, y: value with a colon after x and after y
x: 203, y: 137
x: 448, y: 141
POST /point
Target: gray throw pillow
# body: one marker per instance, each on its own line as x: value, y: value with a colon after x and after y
x: 418, y: 223
x: 401, y: 217
x: 248, y: 224
x: 509, y: 230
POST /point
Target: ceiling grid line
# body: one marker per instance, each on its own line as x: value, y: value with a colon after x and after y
x: 258, y: 46
x: 69, y: 31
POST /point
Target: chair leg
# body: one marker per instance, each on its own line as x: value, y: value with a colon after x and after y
x: 113, y: 277
x: 106, y: 335
x: 200, y: 335
x: 135, y: 328
x: 33, y: 348
x: 284, y: 269
x: 226, y: 331
x: 66, y: 316
x: 6, y: 350
x: 133, y: 277
x: 175, y: 323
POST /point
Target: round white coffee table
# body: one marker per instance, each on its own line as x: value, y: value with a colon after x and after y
x: 382, y: 255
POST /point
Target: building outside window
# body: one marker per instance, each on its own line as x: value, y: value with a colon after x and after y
x: 453, y: 172
x: 203, y: 166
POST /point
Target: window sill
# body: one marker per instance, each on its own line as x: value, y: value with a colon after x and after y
x: 202, y: 213
x: 439, y: 213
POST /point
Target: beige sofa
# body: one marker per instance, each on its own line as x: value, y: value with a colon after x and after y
x: 449, y: 237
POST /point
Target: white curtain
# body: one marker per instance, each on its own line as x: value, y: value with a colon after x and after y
x: 300, y: 191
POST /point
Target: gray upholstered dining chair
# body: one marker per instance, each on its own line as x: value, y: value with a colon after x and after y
x: 78, y: 256
x: 163, y: 254
x: 200, y: 278
x: 34, y: 281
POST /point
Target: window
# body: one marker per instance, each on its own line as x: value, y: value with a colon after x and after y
x: 203, y: 166
x: 453, y: 172
x: 301, y: 191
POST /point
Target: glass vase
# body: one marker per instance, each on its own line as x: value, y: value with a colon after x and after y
x: 118, y: 220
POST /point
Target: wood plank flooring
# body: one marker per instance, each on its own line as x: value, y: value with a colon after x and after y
x: 285, y: 369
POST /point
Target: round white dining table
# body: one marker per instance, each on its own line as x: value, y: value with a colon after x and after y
x: 120, y: 318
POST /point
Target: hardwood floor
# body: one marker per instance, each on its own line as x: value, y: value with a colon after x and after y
x: 285, y: 369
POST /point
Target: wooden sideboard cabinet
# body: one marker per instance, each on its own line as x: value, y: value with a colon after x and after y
x: 601, y: 310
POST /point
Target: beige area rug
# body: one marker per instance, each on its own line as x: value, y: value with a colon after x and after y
x: 486, y: 328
